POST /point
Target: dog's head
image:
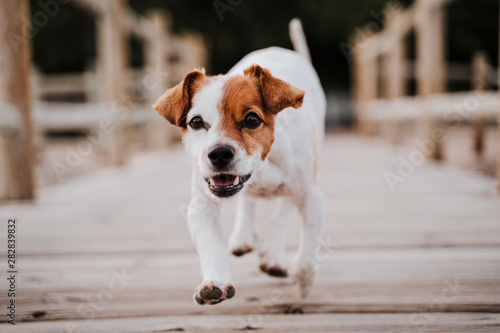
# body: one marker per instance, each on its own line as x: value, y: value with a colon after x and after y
x: 227, y: 123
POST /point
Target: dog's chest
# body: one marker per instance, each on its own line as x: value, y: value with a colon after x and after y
x: 268, y: 190
x: 270, y: 181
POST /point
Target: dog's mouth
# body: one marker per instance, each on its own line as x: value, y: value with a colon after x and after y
x: 225, y: 185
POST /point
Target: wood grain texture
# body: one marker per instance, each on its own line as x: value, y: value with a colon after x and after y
x: 16, y: 155
x: 423, y: 258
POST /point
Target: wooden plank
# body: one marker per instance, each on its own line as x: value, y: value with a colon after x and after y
x: 87, y: 208
x: 350, y: 281
x: 384, y: 253
x: 261, y: 322
x: 255, y: 293
x: 442, y: 108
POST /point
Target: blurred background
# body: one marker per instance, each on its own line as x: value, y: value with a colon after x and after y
x: 78, y: 66
x: 65, y: 52
x: 68, y: 42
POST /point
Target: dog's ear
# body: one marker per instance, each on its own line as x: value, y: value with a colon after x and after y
x: 276, y: 94
x: 175, y: 103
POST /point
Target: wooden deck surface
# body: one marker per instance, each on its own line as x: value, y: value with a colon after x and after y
x: 424, y: 258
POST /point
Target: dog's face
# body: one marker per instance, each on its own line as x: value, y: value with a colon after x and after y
x: 227, y: 123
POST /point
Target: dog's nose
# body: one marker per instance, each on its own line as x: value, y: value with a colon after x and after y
x: 221, y: 156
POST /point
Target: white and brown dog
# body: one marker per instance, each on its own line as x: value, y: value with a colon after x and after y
x: 254, y: 132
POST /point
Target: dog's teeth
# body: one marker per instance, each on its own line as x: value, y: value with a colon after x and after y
x: 236, y: 181
x: 212, y: 181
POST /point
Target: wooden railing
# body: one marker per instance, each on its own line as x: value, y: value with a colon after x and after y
x: 380, y: 72
x: 109, y: 89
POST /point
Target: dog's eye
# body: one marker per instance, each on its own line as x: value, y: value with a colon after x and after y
x: 196, y: 123
x: 252, y: 120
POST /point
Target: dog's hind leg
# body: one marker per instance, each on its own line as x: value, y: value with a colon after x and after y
x: 272, y: 252
x: 305, y: 265
x: 243, y: 238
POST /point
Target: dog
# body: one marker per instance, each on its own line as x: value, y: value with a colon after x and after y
x: 255, y: 132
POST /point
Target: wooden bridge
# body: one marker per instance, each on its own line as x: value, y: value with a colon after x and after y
x: 110, y: 252
x: 409, y: 244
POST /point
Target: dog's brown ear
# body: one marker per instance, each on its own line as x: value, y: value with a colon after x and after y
x: 276, y: 94
x: 175, y: 103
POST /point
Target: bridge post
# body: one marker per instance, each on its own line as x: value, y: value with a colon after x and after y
x: 17, y: 180
x: 394, y: 71
x: 365, y: 81
x: 430, y: 69
x: 159, y: 133
x: 112, y: 61
x: 480, y: 72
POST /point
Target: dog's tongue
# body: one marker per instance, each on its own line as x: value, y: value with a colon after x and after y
x: 223, y: 180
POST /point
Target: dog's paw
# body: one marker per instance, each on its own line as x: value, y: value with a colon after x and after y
x: 304, y: 274
x: 241, y: 243
x: 210, y: 293
x: 274, y: 270
x: 273, y: 264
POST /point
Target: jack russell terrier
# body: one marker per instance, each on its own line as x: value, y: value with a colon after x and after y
x: 255, y: 132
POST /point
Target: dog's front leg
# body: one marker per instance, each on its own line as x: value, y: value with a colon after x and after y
x: 206, y: 233
x: 243, y: 238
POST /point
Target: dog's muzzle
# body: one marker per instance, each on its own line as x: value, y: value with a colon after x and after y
x: 225, y: 185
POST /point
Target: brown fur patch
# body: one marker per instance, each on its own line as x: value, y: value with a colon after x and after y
x: 241, y: 95
x: 276, y: 94
x: 260, y: 92
x: 175, y: 103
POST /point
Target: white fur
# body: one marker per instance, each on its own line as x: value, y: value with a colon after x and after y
x: 287, y: 171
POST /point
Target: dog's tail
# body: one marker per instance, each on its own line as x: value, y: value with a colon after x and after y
x: 299, y: 38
